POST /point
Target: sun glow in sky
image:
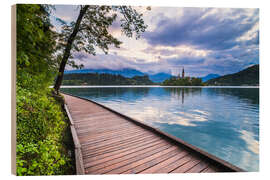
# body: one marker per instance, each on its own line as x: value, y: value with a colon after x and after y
x: 202, y: 40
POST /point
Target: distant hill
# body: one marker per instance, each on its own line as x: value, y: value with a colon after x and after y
x: 126, y: 72
x: 209, y: 76
x: 159, y: 77
x: 123, y: 72
x: 248, y: 76
x: 104, y: 79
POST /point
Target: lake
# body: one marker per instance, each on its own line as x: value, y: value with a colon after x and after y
x: 222, y: 121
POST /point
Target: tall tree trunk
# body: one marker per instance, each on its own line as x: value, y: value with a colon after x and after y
x: 66, y: 55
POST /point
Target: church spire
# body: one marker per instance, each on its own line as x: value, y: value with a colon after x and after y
x: 183, y: 73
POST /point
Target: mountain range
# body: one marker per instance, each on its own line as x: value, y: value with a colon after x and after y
x: 248, y: 77
x: 130, y: 73
x: 209, y: 76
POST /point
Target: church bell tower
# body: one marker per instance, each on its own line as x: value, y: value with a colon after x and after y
x: 183, y: 73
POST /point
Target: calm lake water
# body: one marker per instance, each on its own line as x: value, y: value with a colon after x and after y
x: 221, y: 121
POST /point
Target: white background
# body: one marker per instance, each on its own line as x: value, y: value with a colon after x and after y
x: 5, y: 69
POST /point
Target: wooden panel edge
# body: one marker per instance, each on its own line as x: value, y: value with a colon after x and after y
x: 13, y: 89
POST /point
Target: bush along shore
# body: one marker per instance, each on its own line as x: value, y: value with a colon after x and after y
x: 44, y: 143
x: 186, y: 81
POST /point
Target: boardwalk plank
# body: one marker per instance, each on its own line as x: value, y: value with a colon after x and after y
x: 198, y: 168
x: 143, y: 160
x: 123, y: 153
x: 165, y: 163
x: 193, y: 162
x: 114, y: 148
x: 113, y: 164
x: 113, y: 144
x: 150, y: 162
x: 131, y: 147
x: 176, y: 164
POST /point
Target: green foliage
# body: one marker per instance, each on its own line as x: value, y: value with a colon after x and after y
x: 187, y: 81
x: 35, y: 41
x: 248, y: 76
x: 40, y: 130
x: 46, y: 114
x: 43, y: 158
x: 41, y: 125
x: 104, y: 79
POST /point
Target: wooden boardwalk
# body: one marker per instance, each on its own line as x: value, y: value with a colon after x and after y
x: 110, y: 143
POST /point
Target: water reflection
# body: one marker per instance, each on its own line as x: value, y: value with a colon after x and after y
x: 181, y: 92
x: 222, y: 121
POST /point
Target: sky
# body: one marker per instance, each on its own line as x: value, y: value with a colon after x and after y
x: 200, y: 40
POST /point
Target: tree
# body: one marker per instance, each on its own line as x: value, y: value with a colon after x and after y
x: 35, y: 44
x: 91, y: 30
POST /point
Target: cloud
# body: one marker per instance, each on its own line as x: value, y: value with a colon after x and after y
x: 206, y: 28
x: 116, y: 62
x: 185, y: 61
x: 203, y: 40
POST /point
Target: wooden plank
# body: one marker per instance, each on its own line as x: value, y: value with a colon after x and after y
x: 100, y: 141
x: 150, y: 162
x: 79, y: 162
x: 100, y: 122
x: 75, y: 137
x: 100, y: 125
x: 198, y: 168
x: 119, y: 127
x: 210, y: 169
x: 131, y: 147
x: 85, y: 139
x: 114, y: 148
x: 116, y: 141
x: 126, y: 154
x: 103, y: 112
x: 88, y: 117
x: 81, y: 133
x: 165, y: 163
x: 111, y: 165
x: 69, y: 116
x: 78, y: 154
x: 143, y: 160
x: 193, y: 162
x: 176, y: 164
x: 109, y: 137
x: 215, y: 160
x: 102, y: 133
x: 112, y: 143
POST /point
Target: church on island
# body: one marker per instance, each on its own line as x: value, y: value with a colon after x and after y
x: 183, y: 74
x: 183, y: 80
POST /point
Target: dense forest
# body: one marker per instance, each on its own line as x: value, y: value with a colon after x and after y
x: 104, y: 79
x: 186, y: 81
x: 248, y: 76
x: 43, y: 141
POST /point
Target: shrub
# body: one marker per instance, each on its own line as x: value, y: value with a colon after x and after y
x: 41, y: 127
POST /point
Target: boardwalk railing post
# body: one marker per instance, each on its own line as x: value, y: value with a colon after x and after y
x: 78, y: 152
